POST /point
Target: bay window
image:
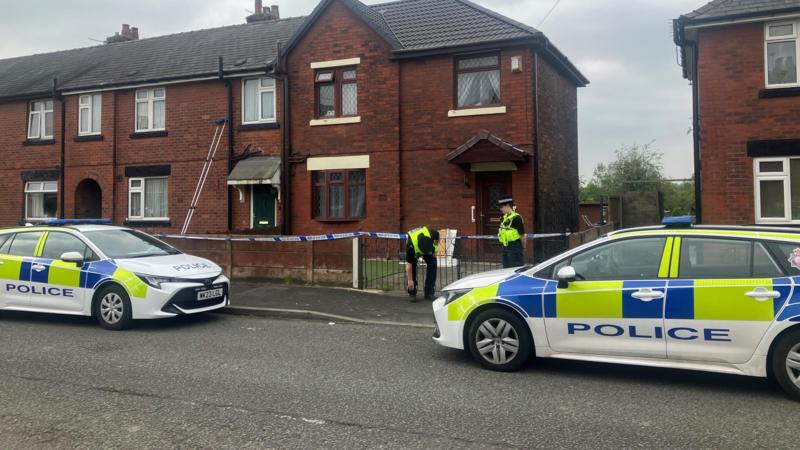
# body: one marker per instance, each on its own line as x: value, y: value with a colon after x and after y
x: 150, y: 109
x: 339, y: 194
x: 40, y: 120
x: 336, y: 93
x: 41, y: 200
x: 777, y: 190
x: 258, y: 100
x: 478, y: 81
x: 89, y: 114
x: 781, y: 54
x: 147, y: 199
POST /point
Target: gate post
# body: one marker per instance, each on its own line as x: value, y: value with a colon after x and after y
x: 357, y: 279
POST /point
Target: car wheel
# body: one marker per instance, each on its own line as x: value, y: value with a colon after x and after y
x: 113, y: 308
x: 786, y: 363
x: 500, y: 340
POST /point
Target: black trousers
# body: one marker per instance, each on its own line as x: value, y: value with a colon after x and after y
x: 430, y: 275
x: 512, y: 255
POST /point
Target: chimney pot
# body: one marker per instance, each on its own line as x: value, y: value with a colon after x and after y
x: 126, y: 30
x: 259, y: 9
x: 274, y: 12
x: 135, y: 33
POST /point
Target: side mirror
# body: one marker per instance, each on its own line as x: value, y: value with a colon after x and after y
x: 565, y: 275
x: 73, y: 257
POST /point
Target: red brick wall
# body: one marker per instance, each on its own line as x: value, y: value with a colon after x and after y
x: 731, y: 72
x: 18, y: 157
x: 338, y: 34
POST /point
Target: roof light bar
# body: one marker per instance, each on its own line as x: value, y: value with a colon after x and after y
x: 677, y: 222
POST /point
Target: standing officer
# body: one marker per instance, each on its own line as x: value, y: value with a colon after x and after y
x: 421, y: 242
x: 511, y: 234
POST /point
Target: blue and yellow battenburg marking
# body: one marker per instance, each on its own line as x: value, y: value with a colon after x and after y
x: 684, y: 299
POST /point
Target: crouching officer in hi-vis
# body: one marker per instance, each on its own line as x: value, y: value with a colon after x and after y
x: 511, y: 234
x: 421, y: 243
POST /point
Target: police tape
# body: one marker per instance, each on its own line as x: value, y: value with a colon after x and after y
x: 335, y: 236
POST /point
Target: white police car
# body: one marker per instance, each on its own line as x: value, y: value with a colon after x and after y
x: 719, y: 299
x: 113, y: 273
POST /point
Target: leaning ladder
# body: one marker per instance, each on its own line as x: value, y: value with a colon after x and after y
x: 212, y: 151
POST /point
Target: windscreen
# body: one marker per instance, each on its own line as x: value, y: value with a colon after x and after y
x: 129, y: 244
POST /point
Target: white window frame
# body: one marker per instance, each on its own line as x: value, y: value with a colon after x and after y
x: 94, y: 104
x: 150, y: 100
x: 783, y: 176
x: 777, y: 39
x: 41, y: 132
x: 38, y: 187
x: 141, y: 191
x: 259, y: 106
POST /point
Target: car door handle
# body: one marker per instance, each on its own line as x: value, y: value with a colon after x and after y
x: 762, y: 294
x: 38, y: 267
x: 647, y: 295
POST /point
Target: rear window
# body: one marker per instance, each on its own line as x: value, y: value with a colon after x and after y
x: 725, y: 258
x: 787, y: 254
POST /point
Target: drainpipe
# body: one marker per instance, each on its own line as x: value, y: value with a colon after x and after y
x: 229, y: 88
x: 698, y: 199
x: 280, y: 74
x: 62, y: 161
x: 536, y: 209
x: 114, y: 163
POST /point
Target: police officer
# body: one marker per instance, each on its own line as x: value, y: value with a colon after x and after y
x: 421, y: 243
x: 511, y: 234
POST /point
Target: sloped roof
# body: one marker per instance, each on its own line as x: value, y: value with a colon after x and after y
x: 244, y: 47
x: 499, y: 150
x: 408, y: 26
x: 719, y: 9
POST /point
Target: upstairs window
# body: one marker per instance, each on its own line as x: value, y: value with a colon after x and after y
x: 339, y: 194
x: 258, y: 100
x: 781, y: 54
x: 150, y: 109
x: 40, y: 120
x: 40, y: 200
x: 478, y: 81
x: 337, y: 93
x: 89, y: 113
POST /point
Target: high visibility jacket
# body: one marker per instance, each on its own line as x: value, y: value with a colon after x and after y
x: 507, y: 234
x: 413, y: 237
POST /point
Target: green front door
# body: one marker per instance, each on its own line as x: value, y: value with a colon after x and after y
x: 263, y: 206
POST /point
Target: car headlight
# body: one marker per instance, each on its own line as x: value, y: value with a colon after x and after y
x: 451, y: 296
x: 156, y: 281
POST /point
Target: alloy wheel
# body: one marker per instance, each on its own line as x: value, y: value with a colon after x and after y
x: 793, y: 364
x: 498, y: 342
x: 112, y: 308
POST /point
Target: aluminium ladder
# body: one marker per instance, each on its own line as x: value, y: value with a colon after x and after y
x: 212, y: 151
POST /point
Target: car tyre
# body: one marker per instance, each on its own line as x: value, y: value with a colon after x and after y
x: 113, y: 308
x: 500, y: 340
x: 786, y: 363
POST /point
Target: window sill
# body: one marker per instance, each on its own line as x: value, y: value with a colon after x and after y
x: 88, y: 138
x: 147, y: 223
x: 334, y: 121
x: 779, y: 92
x: 353, y: 219
x: 148, y: 134
x: 259, y: 126
x: 28, y: 142
x: 476, y: 111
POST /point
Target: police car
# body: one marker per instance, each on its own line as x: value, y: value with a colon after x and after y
x: 711, y: 298
x: 113, y: 273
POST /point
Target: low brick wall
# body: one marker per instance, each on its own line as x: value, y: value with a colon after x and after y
x: 316, y: 262
x: 576, y: 239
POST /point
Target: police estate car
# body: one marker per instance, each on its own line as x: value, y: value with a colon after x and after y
x: 720, y: 299
x: 113, y: 273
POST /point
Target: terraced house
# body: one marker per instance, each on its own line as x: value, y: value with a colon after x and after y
x: 356, y: 117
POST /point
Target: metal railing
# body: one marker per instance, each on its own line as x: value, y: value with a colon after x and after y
x: 383, y: 261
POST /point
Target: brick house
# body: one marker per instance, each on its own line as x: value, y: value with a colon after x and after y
x: 741, y: 59
x: 356, y: 117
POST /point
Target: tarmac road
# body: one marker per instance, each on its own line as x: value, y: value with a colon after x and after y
x: 222, y: 381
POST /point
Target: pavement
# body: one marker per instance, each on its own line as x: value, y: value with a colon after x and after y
x: 328, y: 304
x: 224, y: 381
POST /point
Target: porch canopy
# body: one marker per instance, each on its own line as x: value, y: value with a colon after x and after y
x: 486, y: 151
x: 256, y: 170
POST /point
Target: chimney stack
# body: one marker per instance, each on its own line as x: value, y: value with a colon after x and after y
x: 128, y: 34
x: 262, y: 13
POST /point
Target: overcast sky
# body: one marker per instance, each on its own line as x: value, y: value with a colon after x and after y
x: 624, y: 47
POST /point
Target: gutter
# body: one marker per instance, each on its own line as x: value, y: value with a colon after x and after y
x: 738, y: 18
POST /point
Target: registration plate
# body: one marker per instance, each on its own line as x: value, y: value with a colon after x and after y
x: 209, y: 294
